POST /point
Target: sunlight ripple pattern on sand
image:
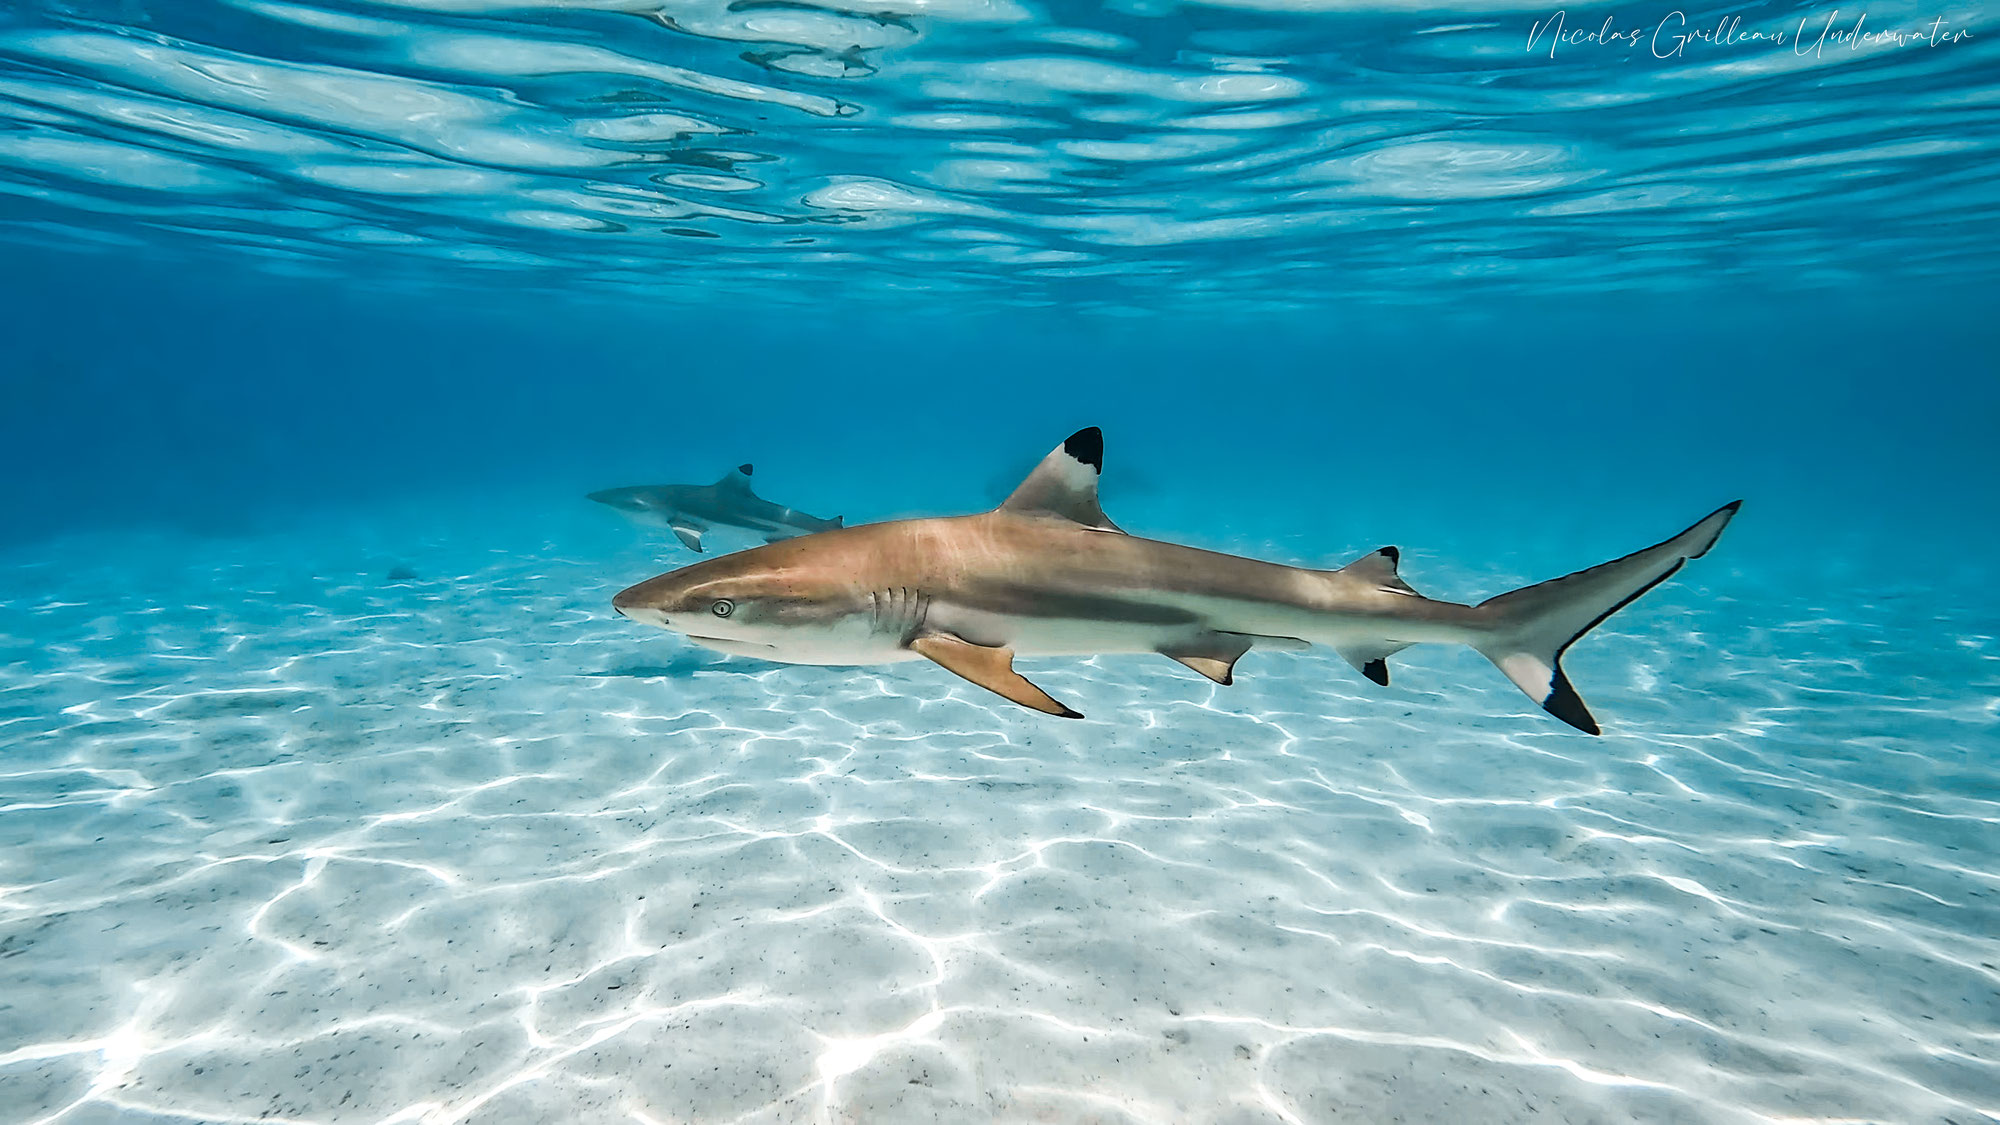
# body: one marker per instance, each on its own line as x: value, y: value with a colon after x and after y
x: 288, y: 844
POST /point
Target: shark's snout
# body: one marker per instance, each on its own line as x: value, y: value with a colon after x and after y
x: 630, y: 604
x: 629, y: 500
x: 624, y: 600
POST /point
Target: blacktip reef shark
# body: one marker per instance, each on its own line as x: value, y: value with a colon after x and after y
x: 688, y: 510
x: 1046, y: 574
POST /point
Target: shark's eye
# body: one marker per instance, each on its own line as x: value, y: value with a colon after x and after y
x: 723, y: 608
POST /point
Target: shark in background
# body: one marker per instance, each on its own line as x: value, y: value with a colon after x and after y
x: 1048, y: 574
x: 690, y: 510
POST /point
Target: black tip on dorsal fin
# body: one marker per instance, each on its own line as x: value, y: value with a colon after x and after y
x: 1378, y: 669
x: 745, y: 469
x: 1379, y: 567
x: 1064, y: 483
x: 1087, y: 446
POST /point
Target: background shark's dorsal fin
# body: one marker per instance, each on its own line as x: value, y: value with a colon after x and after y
x: 739, y: 477
x: 1065, y: 483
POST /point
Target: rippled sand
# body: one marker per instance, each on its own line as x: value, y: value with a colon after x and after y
x: 283, y: 839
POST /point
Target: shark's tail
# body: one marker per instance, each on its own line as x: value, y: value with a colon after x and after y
x: 1530, y: 628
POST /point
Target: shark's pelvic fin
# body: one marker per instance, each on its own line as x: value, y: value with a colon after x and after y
x: 1065, y: 483
x: 990, y: 668
x: 1532, y: 627
x: 1379, y: 568
x: 689, y: 533
x: 1213, y: 655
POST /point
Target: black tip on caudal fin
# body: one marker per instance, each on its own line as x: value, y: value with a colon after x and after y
x: 1565, y: 704
x: 1531, y: 628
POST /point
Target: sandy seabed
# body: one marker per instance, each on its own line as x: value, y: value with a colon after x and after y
x: 283, y: 839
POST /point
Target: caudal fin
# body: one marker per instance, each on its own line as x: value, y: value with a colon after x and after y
x: 1532, y: 627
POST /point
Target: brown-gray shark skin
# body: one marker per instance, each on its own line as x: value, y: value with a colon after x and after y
x: 689, y: 510
x: 1046, y: 574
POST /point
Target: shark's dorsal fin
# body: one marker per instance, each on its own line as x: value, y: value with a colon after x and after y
x: 737, y: 478
x: 990, y: 668
x: 1065, y: 483
x: 1379, y: 568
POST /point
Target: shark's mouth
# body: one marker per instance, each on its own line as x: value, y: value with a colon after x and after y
x: 717, y: 641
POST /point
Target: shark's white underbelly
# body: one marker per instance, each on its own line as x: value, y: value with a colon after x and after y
x: 858, y: 641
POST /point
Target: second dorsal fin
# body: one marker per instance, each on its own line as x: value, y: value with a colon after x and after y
x: 1379, y: 568
x: 1065, y: 483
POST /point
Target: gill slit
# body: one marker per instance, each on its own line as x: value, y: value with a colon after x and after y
x: 899, y: 611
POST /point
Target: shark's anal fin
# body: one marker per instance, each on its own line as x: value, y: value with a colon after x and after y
x: 688, y: 533
x: 990, y: 668
x: 1371, y: 659
x: 1213, y: 654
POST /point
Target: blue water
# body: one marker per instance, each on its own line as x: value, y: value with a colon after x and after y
x: 332, y: 790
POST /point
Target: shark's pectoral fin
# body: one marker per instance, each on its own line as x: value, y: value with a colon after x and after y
x: 688, y: 533
x: 1213, y: 655
x: 990, y: 668
x: 1221, y: 671
x: 1371, y: 660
